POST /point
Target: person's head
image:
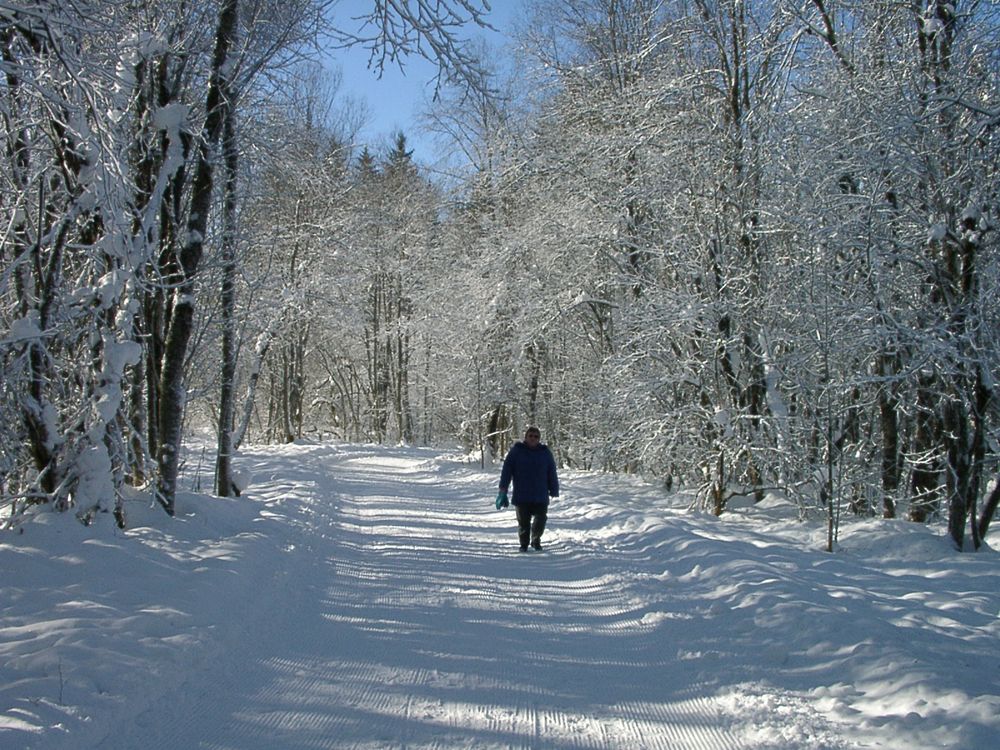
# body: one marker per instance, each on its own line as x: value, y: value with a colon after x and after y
x: 532, y: 436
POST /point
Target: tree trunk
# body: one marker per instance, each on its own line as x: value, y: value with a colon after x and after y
x: 172, y: 389
x: 224, y: 467
x: 891, y: 469
x: 990, y: 508
x: 925, y: 484
x: 983, y: 396
x: 29, y: 287
x: 959, y: 469
x: 263, y: 345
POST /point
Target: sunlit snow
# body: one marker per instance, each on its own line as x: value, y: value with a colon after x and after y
x: 367, y: 597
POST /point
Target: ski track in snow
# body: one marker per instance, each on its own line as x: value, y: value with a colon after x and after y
x: 383, y: 604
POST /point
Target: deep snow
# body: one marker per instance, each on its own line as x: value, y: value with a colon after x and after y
x: 368, y: 597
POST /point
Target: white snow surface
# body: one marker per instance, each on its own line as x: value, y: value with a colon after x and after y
x: 371, y: 597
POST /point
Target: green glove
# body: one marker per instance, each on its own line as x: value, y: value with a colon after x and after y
x: 502, y: 501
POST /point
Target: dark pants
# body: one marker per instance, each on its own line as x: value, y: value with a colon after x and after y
x: 531, y: 522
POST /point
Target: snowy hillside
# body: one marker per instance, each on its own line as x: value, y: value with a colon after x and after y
x: 366, y: 597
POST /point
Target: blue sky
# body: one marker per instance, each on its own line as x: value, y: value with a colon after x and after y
x: 394, y: 100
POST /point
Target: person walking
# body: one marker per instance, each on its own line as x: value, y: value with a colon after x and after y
x: 532, y: 467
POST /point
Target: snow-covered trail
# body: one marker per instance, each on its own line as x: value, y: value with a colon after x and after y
x: 405, y: 617
x: 370, y: 597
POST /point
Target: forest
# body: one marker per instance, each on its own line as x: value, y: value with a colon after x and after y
x: 738, y: 247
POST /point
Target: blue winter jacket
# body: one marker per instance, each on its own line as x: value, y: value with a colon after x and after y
x: 534, y: 473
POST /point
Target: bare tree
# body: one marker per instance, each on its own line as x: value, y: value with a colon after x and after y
x: 433, y: 29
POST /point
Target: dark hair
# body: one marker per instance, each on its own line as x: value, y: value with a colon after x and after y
x: 532, y: 431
